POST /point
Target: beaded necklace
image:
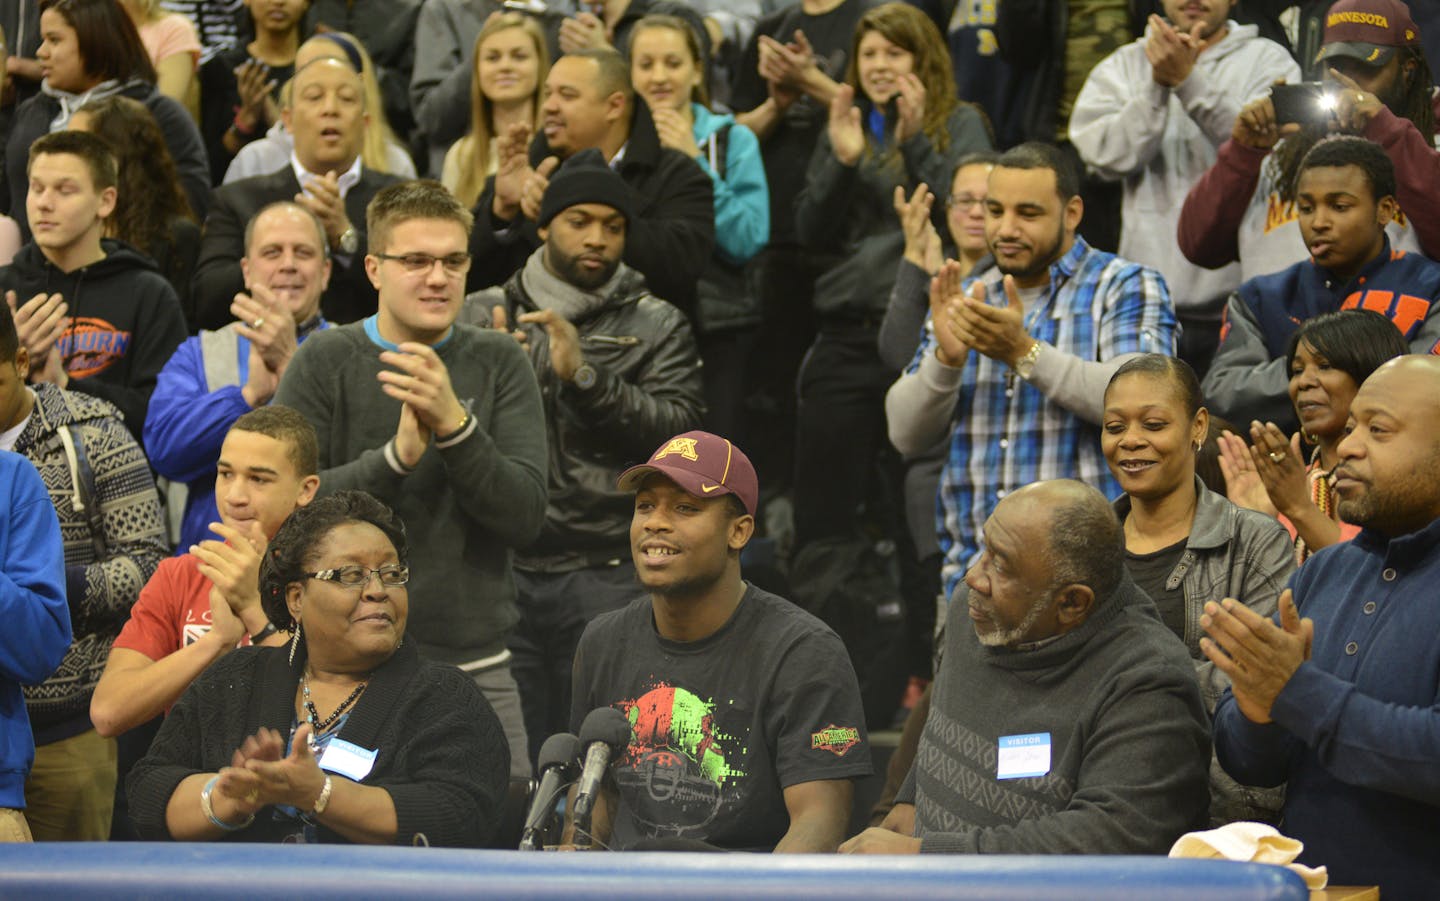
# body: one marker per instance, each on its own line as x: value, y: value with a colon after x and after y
x: 1321, y: 486
x: 312, y: 716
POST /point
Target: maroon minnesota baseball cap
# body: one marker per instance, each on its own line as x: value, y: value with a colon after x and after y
x: 704, y: 465
x: 1368, y: 30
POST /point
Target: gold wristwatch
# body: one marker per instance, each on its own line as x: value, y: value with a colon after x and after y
x: 1025, y: 366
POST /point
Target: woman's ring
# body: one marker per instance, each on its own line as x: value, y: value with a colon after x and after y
x: 1276, y: 456
x: 259, y: 321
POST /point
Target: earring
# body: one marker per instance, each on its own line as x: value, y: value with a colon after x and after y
x: 294, y: 643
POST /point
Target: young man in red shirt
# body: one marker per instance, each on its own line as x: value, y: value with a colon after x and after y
x: 203, y: 604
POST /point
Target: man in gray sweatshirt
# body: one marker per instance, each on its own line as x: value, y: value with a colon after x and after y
x: 1152, y: 114
x: 444, y: 423
x: 1066, y: 718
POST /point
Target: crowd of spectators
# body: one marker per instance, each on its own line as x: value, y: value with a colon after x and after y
x: 382, y: 299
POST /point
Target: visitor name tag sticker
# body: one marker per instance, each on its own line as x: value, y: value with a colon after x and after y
x: 354, y: 762
x: 1023, y: 756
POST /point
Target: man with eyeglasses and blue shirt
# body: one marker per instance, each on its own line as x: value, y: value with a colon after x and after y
x: 443, y: 422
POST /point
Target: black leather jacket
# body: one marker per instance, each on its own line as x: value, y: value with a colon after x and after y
x: 647, y: 389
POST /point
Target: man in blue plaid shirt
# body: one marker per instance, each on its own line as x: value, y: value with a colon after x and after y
x: 1014, y: 369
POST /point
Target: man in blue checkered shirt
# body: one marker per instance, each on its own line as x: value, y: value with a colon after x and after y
x: 1014, y: 368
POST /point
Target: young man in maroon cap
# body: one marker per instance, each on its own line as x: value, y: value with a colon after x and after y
x: 1381, y: 87
x: 746, y: 724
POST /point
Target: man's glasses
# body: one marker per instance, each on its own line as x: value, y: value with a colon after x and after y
x: 392, y: 576
x: 454, y: 263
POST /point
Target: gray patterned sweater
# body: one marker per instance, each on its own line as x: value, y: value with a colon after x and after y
x: 110, y: 521
x: 1129, y: 740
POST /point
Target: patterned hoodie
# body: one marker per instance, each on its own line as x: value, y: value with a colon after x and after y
x: 111, y: 525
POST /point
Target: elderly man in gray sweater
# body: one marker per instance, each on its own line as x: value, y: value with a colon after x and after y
x: 1066, y: 718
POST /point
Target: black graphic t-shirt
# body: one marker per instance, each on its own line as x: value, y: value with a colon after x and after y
x: 721, y: 726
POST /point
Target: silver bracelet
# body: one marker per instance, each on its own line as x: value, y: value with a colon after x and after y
x: 324, y: 799
x: 209, y: 811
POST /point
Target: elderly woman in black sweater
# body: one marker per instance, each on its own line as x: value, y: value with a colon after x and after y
x: 346, y: 735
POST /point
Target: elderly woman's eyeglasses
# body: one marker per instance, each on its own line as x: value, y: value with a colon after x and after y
x: 392, y: 576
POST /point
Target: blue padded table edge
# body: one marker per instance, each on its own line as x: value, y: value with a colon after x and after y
x: 126, y: 870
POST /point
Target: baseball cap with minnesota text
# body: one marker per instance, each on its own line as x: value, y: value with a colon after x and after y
x: 702, y: 464
x: 1368, y: 30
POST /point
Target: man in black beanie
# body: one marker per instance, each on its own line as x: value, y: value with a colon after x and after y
x: 619, y: 373
x: 590, y: 104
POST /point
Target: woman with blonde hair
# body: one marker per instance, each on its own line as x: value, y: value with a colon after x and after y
x: 174, y: 48
x: 667, y: 69
x: 381, y: 152
x: 511, y: 61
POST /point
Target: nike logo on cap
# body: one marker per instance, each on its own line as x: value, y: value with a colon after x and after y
x: 709, y: 488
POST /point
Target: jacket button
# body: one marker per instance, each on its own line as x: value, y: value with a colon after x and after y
x: 1369, y: 607
x: 1389, y: 574
x: 1351, y: 648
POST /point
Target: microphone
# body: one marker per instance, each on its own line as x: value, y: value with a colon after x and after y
x: 559, y: 760
x: 604, y: 732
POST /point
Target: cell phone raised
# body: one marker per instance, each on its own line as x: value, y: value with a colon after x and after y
x: 1306, y: 103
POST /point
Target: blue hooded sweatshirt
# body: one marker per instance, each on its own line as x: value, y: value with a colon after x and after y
x: 36, y: 619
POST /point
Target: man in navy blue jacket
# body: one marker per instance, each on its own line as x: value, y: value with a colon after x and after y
x: 1345, y: 196
x: 1342, y: 706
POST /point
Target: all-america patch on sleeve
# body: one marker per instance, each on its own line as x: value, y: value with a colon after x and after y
x: 838, y: 740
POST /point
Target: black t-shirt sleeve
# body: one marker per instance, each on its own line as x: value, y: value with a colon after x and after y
x: 584, y: 673
x: 815, y: 714
x: 749, y: 89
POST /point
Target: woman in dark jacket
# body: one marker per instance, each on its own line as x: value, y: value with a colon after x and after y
x: 1185, y: 544
x: 90, y: 50
x: 907, y: 129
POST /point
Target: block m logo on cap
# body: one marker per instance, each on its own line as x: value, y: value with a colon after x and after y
x: 685, y: 447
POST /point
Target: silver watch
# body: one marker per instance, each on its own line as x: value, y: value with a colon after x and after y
x: 349, y: 241
x: 584, y: 377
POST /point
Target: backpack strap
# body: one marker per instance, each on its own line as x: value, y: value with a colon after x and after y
x: 82, y: 499
x: 717, y: 147
x: 220, y: 357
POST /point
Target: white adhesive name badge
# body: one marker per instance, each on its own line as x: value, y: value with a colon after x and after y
x: 351, y: 761
x: 1023, y: 756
